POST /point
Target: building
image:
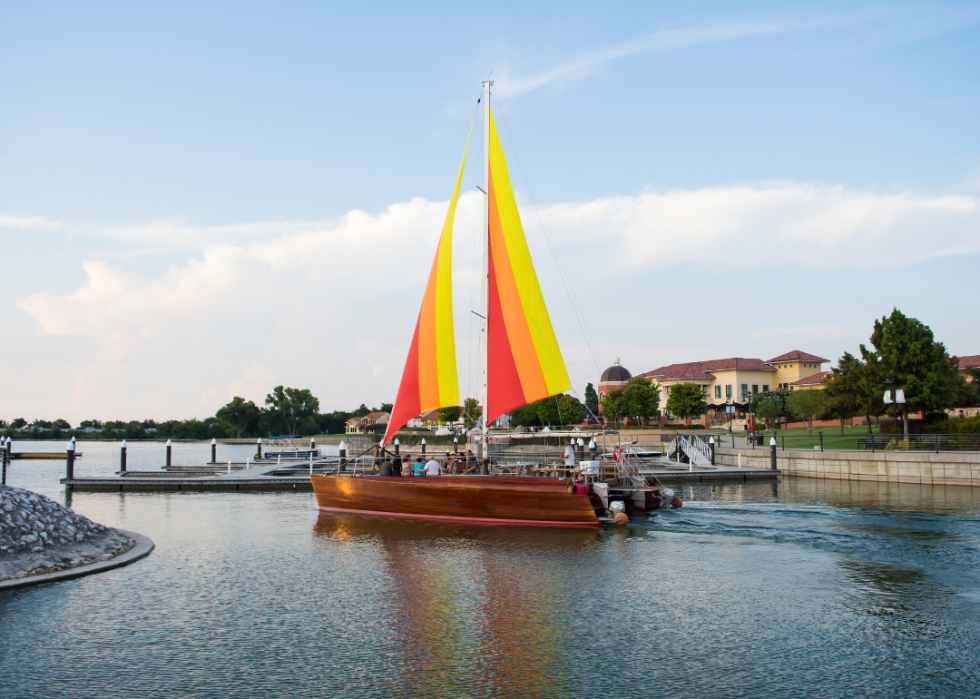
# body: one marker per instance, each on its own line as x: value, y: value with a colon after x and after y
x: 814, y: 381
x: 425, y: 419
x: 968, y: 361
x: 372, y: 422
x: 616, y: 376
x: 735, y: 380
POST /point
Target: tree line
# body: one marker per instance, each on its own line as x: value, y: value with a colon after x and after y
x: 287, y: 411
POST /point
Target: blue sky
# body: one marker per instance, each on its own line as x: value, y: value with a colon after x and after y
x: 184, y: 185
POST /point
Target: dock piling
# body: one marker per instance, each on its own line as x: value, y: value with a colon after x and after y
x: 3, y: 457
x: 169, y: 451
x: 772, y: 453
x: 343, y: 456
x: 423, y: 446
x: 70, y: 461
x: 122, y: 457
x: 214, y: 450
x: 397, y: 447
x: 711, y: 444
x: 258, y: 450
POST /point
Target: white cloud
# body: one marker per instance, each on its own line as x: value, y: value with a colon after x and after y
x: 589, y: 63
x: 332, y: 306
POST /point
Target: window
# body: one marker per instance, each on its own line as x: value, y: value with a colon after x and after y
x: 728, y: 390
x: 717, y: 391
x: 745, y: 391
x: 755, y: 388
x: 765, y: 388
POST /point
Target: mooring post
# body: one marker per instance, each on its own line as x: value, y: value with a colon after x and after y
x: 397, y: 447
x: 70, y: 461
x: 258, y: 449
x: 772, y: 453
x: 423, y: 446
x: 711, y: 443
x: 3, y: 457
x: 312, y: 444
x: 169, y: 451
x: 122, y: 457
x: 343, y: 455
x: 214, y: 450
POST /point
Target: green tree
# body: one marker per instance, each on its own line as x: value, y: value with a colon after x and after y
x: 686, y: 400
x: 239, y: 415
x: 591, y: 399
x: 642, y: 398
x: 806, y: 404
x: 525, y: 416
x: 614, y: 405
x: 548, y: 409
x: 471, y: 412
x: 18, y: 423
x: 450, y: 413
x: 570, y: 410
x: 332, y: 423
x: 922, y: 368
x: 292, y: 405
x: 770, y: 405
x: 61, y: 424
x: 361, y: 411
x: 843, y: 393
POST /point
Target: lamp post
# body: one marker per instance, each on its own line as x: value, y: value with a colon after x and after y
x: 895, y: 395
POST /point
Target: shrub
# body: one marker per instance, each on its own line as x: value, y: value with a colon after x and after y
x: 897, y: 444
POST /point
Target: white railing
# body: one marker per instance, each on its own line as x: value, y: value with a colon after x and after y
x: 698, y: 453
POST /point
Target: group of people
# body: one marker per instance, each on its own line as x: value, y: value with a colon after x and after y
x: 421, y: 467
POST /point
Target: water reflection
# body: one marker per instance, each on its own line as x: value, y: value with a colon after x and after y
x: 472, y: 604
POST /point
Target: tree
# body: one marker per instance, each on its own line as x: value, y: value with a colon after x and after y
x: 642, y: 398
x: 614, y: 404
x: 332, y: 423
x: 61, y: 424
x: 471, y: 412
x: 770, y: 405
x: 18, y: 423
x: 843, y: 392
x: 905, y: 347
x: 450, y: 413
x: 240, y: 415
x: 686, y: 400
x: 570, y: 409
x: 805, y: 404
x: 525, y: 416
x: 361, y: 411
x: 591, y: 399
x: 548, y: 409
x: 292, y: 405
x: 385, y: 408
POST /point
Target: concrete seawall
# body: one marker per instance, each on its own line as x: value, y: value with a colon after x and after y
x: 926, y: 468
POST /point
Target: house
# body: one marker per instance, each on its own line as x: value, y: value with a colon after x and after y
x: 814, y: 381
x: 372, y: 422
x: 425, y: 419
x: 968, y: 361
x: 735, y: 380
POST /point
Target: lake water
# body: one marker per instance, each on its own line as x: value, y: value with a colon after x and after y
x: 803, y: 588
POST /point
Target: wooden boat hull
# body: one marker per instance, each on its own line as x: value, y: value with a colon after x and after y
x: 488, y: 499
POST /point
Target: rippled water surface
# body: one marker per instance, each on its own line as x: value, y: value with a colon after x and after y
x: 803, y: 588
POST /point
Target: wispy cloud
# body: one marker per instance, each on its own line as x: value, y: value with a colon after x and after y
x: 589, y: 63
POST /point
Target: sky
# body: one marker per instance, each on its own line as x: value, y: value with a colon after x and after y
x: 208, y: 199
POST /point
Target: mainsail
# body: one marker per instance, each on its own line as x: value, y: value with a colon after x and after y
x: 524, y: 363
x: 430, y: 380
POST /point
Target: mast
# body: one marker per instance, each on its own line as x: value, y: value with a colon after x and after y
x: 486, y: 262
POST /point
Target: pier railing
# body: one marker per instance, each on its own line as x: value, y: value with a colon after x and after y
x: 823, y: 441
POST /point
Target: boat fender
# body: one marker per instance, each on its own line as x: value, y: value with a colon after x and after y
x: 676, y: 502
x: 621, y: 519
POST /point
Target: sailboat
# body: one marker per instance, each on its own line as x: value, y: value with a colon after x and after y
x: 521, y: 363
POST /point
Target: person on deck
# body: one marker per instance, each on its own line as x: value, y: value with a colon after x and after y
x: 419, y: 467
x: 470, y: 459
x: 396, y: 466
x: 569, y: 457
x: 387, y: 467
x: 432, y: 468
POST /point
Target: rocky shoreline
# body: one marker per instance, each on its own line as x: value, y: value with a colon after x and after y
x: 37, y: 536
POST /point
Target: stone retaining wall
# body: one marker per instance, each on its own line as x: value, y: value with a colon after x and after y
x: 927, y: 468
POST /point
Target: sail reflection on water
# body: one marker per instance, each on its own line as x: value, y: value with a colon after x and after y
x: 473, y: 605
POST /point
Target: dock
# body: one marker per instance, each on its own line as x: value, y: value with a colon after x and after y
x: 280, y: 477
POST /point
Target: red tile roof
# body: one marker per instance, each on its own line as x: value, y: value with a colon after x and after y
x: 699, y: 370
x: 811, y: 380
x: 971, y: 360
x: 797, y: 356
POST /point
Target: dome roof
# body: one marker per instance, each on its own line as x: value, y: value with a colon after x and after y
x: 616, y: 372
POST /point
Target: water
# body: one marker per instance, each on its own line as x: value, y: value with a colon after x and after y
x: 806, y: 588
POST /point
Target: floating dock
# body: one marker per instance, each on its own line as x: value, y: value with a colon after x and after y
x: 297, y: 478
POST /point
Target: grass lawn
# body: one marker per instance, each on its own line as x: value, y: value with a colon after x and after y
x: 800, y: 438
